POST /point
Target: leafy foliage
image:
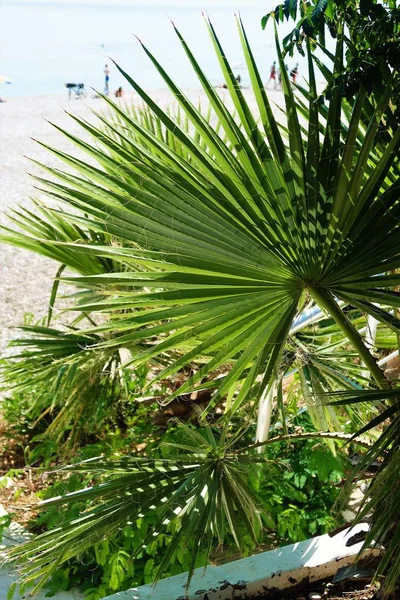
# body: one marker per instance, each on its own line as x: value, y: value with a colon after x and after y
x: 78, y: 376
x: 382, y: 496
x: 198, y: 493
x: 372, y: 45
x: 218, y: 239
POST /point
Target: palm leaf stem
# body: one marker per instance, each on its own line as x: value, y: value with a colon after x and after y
x: 293, y: 437
x: 326, y: 301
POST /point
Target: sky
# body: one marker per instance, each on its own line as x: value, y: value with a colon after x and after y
x: 46, y: 43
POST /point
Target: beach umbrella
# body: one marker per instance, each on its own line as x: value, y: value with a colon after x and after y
x: 4, y: 79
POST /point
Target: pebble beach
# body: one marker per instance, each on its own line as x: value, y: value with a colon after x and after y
x: 26, y: 278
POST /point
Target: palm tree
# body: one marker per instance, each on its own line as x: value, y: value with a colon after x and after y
x: 205, y: 236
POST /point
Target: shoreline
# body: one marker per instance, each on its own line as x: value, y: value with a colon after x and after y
x: 128, y: 93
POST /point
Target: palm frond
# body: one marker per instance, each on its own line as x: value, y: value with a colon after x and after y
x: 68, y: 379
x: 199, y: 493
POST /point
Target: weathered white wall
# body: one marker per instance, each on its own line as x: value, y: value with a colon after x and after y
x: 316, y: 558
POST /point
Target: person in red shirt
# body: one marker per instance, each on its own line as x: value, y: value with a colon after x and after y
x: 272, y: 75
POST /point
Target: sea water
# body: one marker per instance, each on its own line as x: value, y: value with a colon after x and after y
x: 45, y: 44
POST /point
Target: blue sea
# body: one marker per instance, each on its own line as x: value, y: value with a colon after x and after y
x: 47, y: 43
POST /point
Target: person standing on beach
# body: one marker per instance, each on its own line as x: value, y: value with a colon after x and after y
x: 294, y: 72
x: 272, y: 75
x: 106, y: 80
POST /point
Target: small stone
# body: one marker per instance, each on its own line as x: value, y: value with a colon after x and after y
x: 314, y: 596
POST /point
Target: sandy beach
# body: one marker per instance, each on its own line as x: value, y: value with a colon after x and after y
x: 26, y: 278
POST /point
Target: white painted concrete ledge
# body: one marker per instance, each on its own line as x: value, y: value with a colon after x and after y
x: 16, y: 534
x: 313, y: 559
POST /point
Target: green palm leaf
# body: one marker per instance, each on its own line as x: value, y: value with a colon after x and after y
x: 63, y: 373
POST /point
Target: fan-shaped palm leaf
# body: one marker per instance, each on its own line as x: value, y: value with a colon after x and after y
x: 253, y: 227
x: 199, y: 492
